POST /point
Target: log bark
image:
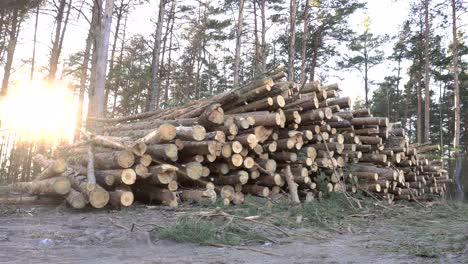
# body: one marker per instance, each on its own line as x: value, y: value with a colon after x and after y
x: 98, y: 197
x: 156, y: 195
x: 57, y: 185
x: 198, y: 196
x: 167, y: 152
x: 108, y: 160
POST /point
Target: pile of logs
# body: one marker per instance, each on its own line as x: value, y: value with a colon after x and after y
x: 264, y: 138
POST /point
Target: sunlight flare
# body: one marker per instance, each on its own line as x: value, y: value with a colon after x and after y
x: 39, y: 111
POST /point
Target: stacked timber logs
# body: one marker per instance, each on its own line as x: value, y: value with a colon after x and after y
x: 264, y: 138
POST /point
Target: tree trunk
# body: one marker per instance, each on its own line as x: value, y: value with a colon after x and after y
x: 456, y: 92
x: 83, y: 78
x: 114, y: 46
x: 316, y: 42
x: 263, y: 55
x: 305, y: 36
x: 426, y: 77
x: 119, y: 78
x: 13, y: 37
x: 98, y: 83
x: 57, y: 185
x: 397, y: 112
x: 366, y: 71
x: 62, y: 35
x: 240, y: 22
x: 54, y: 56
x: 419, y: 114
x: 292, y: 39
x: 169, y: 64
x: 33, y: 60
x: 155, y: 91
x: 256, y: 59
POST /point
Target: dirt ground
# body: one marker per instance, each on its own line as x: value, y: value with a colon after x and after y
x: 126, y: 236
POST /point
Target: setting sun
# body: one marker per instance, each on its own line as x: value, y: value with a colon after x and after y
x: 39, y: 111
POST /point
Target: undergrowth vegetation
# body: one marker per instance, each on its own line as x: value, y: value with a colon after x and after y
x: 423, y: 230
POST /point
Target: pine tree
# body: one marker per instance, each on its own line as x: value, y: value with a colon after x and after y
x: 366, y: 54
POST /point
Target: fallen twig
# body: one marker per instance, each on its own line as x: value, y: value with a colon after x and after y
x: 246, y: 248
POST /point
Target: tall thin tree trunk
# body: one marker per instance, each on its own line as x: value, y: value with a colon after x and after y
x: 292, y: 38
x: 13, y: 37
x: 240, y: 22
x: 163, y: 72
x: 397, y: 111
x: 256, y: 60
x: 419, y: 114
x: 3, y: 24
x: 155, y: 91
x: 441, y: 116
x: 84, y: 73
x: 169, y: 63
x: 317, y: 43
x: 263, y: 47
x: 305, y: 37
x: 54, y: 56
x: 119, y: 78
x: 112, y: 56
x: 456, y: 89
x: 62, y: 35
x: 96, y: 104
x: 427, y: 78
x: 366, y: 72
x: 33, y: 60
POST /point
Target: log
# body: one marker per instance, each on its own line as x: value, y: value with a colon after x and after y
x: 76, y: 199
x: 314, y: 115
x: 98, y: 197
x: 212, y: 116
x: 156, y: 195
x: 285, y: 156
x: 370, y: 140
x: 219, y: 136
x: 198, y: 196
x: 343, y: 102
x: 256, y: 190
x: 164, y: 174
x: 311, y: 87
x: 121, y: 198
x: 118, y: 176
x: 270, y: 120
x: 167, y: 152
x: 292, y: 186
x: 52, y: 168
x: 192, y: 170
x: 163, y: 133
x: 247, y: 140
x: 108, y: 160
x: 57, y: 185
x: 145, y: 160
x: 233, y: 178
x: 196, y: 133
x: 192, y: 148
x: 90, y: 169
x: 270, y: 180
x: 268, y: 165
x: 364, y: 112
x: 366, y: 121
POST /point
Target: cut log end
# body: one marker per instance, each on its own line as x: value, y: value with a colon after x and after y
x: 194, y: 170
x: 125, y: 159
x: 99, y: 198
x: 76, y: 199
x: 167, y: 132
x: 62, y: 185
x: 129, y: 176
